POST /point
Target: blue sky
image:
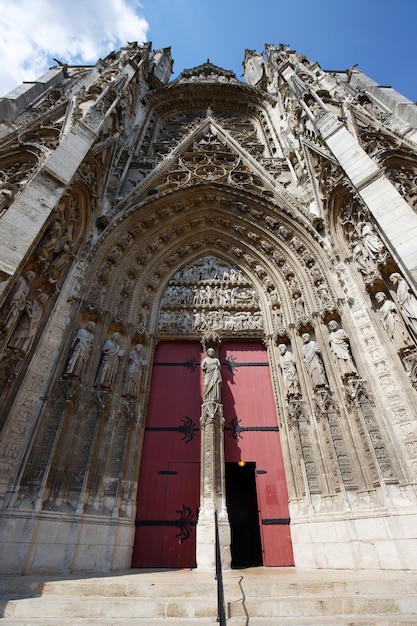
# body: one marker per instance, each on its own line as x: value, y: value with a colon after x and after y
x: 378, y: 35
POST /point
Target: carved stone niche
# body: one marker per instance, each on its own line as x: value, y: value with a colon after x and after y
x: 211, y: 340
x: 409, y: 359
x: 329, y: 313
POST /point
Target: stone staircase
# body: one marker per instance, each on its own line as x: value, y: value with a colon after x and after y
x: 253, y: 597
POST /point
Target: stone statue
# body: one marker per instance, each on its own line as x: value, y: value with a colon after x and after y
x: 406, y: 300
x: 371, y: 241
x: 312, y: 360
x: 289, y: 370
x: 133, y: 372
x: 323, y: 294
x: 339, y: 344
x: 17, y: 299
x: 81, y: 347
x: 300, y: 307
x: 109, y: 361
x: 212, y: 377
x: 27, y: 326
x: 391, y: 320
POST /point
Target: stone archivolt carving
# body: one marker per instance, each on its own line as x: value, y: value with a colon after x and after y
x: 368, y: 251
x: 210, y: 294
x: 16, y: 169
x: 404, y: 178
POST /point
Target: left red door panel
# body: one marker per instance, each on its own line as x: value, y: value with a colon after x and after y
x: 169, y: 482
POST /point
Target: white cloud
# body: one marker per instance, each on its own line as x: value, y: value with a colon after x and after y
x: 73, y: 31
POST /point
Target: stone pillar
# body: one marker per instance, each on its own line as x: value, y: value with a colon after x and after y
x: 213, y: 495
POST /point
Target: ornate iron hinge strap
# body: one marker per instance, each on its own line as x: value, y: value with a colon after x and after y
x: 280, y: 521
x: 231, y: 364
x: 184, y: 523
x: 236, y: 429
x: 190, y: 364
x: 187, y: 429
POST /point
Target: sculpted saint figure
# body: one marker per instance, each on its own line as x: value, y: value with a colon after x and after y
x: 339, y: 344
x: 371, y: 241
x: 312, y: 359
x: 81, y: 347
x: 17, y: 299
x: 109, y: 361
x: 27, y: 326
x: 406, y: 300
x: 212, y: 377
x: 288, y: 368
x: 391, y: 320
x: 133, y: 371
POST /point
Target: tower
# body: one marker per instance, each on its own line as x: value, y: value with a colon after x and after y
x: 145, y: 222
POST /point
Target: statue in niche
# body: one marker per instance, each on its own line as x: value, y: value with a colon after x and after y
x: 81, y: 347
x: 406, y: 300
x: 134, y: 372
x: 360, y: 256
x: 300, y: 307
x: 17, y: 299
x: 54, y: 238
x: 27, y: 326
x: 323, y: 294
x: 371, y: 241
x: 109, y: 361
x: 339, y: 345
x: 391, y: 320
x: 63, y: 258
x: 312, y: 360
x: 289, y: 370
x: 212, y: 377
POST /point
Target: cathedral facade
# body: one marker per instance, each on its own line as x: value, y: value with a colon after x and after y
x: 208, y: 312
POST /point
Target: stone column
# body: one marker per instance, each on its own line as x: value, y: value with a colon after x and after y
x: 213, y: 496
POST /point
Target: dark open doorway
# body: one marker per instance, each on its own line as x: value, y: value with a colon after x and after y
x: 242, y: 506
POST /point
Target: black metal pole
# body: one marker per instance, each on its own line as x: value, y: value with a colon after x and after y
x: 221, y: 615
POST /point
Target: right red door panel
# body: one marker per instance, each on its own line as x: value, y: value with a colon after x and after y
x: 251, y: 435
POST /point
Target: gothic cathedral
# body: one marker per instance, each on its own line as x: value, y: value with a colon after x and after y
x: 208, y: 317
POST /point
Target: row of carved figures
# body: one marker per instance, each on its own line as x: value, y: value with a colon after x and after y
x: 23, y: 316
x: 111, y: 353
x: 199, y: 321
x: 209, y: 296
x: 340, y: 348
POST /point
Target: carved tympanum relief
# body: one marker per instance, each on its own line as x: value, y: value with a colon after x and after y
x: 210, y: 295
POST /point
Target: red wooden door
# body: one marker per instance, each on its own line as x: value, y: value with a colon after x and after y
x: 251, y: 435
x: 169, y: 484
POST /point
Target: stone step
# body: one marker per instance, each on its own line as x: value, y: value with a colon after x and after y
x: 180, y: 607
x: 265, y: 596
x: 374, y: 620
x: 111, y: 607
x: 197, y: 607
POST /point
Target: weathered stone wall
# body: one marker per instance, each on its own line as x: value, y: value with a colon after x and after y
x: 281, y: 210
